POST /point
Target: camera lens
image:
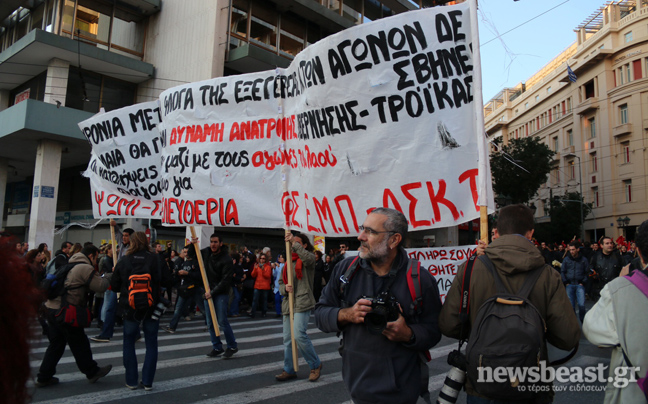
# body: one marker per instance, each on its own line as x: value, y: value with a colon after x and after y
x: 376, y: 320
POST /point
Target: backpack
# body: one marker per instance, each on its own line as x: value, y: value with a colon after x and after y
x: 54, y: 283
x: 51, y: 266
x: 140, y: 290
x: 509, y: 332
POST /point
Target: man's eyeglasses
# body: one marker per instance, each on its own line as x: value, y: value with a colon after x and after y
x: 371, y: 231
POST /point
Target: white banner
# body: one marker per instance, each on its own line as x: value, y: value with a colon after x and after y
x: 124, y: 168
x: 440, y: 262
x: 377, y: 115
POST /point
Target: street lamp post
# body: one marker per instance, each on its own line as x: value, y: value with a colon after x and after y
x: 623, y: 222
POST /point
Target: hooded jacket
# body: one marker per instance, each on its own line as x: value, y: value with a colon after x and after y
x: 514, y: 257
x: 80, y: 280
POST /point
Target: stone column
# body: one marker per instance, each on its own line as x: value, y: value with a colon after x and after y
x: 56, y: 81
x: 45, y: 193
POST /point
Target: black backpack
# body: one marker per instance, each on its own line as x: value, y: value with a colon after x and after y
x: 54, y: 284
x: 509, y: 332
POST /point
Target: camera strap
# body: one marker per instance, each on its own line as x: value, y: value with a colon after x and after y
x: 465, y: 301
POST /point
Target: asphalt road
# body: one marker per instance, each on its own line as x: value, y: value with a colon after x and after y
x: 186, y: 375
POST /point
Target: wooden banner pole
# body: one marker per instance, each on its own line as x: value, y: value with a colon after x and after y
x: 291, y: 303
x: 483, y: 223
x: 205, y: 281
x: 114, y: 244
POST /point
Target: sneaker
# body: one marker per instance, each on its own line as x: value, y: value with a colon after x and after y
x: 169, y: 330
x: 145, y: 387
x: 99, y: 338
x: 229, y: 352
x: 131, y: 387
x: 52, y: 381
x: 188, y: 318
x: 315, y: 373
x: 214, y: 353
x: 100, y: 373
x: 285, y: 376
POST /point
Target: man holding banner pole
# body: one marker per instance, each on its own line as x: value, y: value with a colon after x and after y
x: 218, y: 268
x: 301, y: 287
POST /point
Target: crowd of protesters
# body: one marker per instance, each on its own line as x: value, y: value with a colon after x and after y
x: 587, y: 267
x: 97, y: 282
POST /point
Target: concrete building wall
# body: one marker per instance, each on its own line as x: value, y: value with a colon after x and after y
x: 185, y: 42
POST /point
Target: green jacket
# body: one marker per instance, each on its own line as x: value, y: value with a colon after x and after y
x: 514, y: 256
x: 302, y: 288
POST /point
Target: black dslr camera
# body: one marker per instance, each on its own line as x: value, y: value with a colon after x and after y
x: 384, y: 309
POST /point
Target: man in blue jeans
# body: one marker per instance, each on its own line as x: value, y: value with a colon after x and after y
x: 574, y: 272
x: 110, y: 297
x: 219, y: 268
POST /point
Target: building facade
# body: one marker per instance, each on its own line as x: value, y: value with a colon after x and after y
x: 597, y: 125
x: 61, y: 61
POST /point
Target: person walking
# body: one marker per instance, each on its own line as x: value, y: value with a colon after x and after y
x: 140, y: 260
x: 80, y: 280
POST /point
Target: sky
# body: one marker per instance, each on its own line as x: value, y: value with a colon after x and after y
x: 532, y: 45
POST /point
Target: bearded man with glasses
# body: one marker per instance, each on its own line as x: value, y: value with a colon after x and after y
x: 385, y: 365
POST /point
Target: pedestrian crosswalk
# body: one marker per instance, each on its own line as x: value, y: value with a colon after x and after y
x: 186, y: 375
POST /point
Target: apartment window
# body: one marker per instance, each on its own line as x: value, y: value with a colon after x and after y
x: 595, y: 197
x: 263, y: 27
x: 590, y: 126
x: 537, y: 98
x: 627, y: 188
x: 516, y: 112
x: 538, y: 123
x: 569, y: 104
x: 589, y: 89
x: 548, y: 89
x: 619, y: 73
x: 550, y: 117
x: 628, y: 37
x: 594, y: 162
x: 291, y: 40
x: 570, y: 137
x: 95, y: 21
x: 572, y: 170
x: 239, y: 18
x: 102, y: 91
x: 555, y: 144
x: 627, y: 73
x: 555, y: 176
x: 625, y: 151
x: 526, y: 105
x: 623, y: 114
x: 563, y: 108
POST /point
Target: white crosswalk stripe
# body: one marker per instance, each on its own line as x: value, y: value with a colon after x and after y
x: 184, y: 374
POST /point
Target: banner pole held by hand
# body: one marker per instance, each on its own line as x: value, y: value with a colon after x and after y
x: 205, y: 282
x: 291, y: 303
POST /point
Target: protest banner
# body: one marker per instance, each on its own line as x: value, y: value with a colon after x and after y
x: 124, y: 167
x: 381, y: 114
x: 440, y: 262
